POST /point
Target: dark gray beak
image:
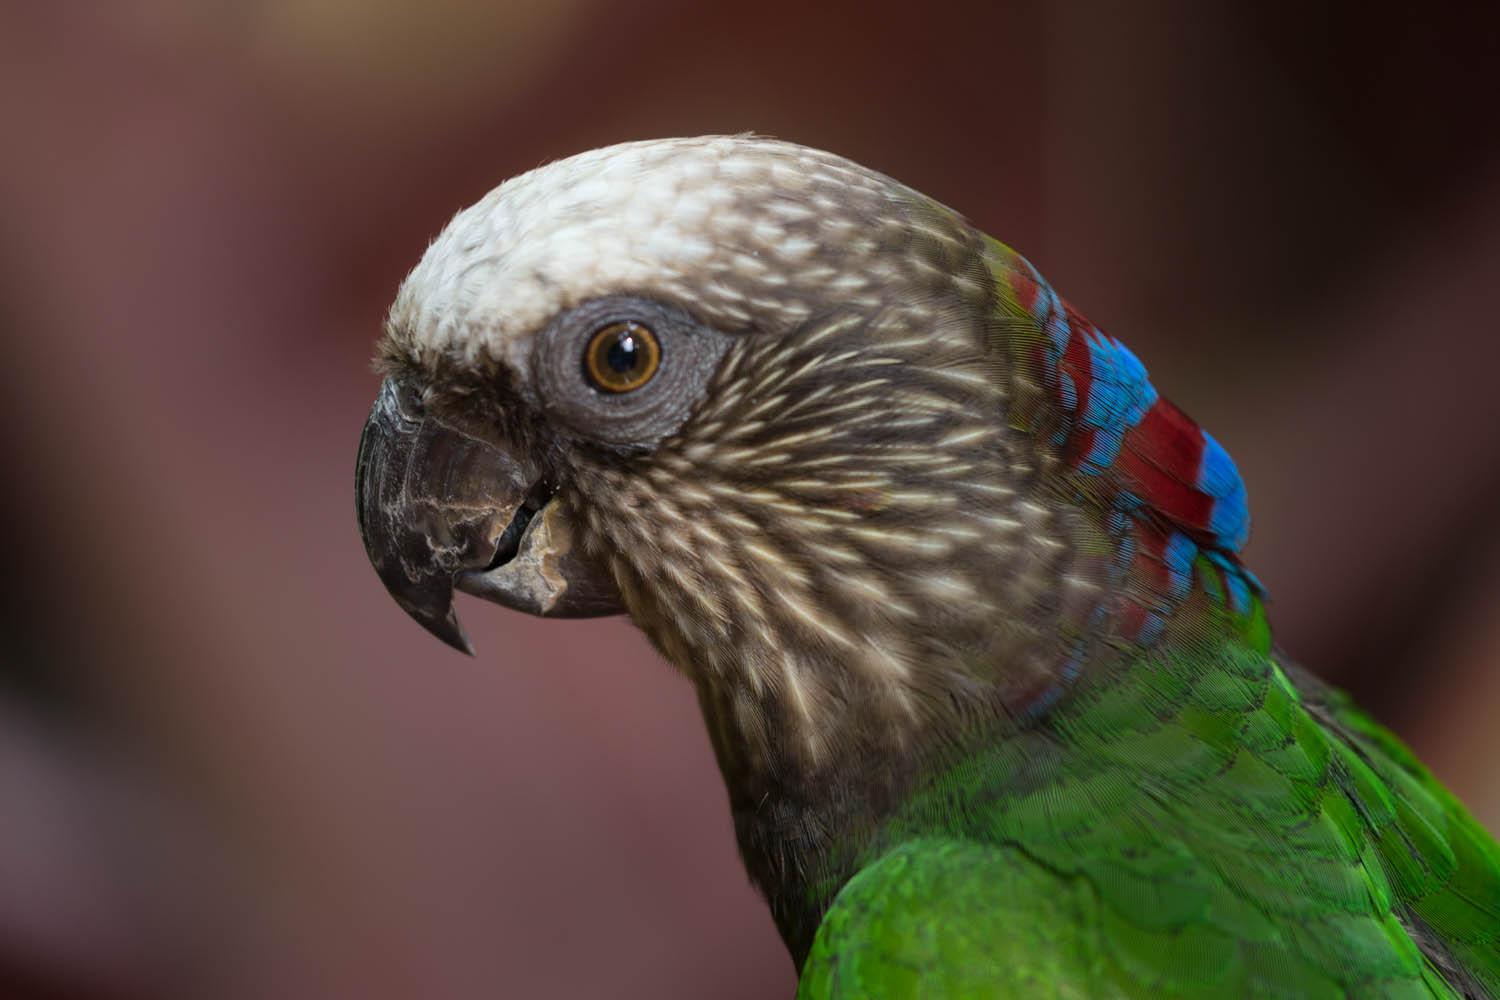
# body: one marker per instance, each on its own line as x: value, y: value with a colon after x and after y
x: 439, y: 509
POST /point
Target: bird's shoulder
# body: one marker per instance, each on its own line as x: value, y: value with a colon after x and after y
x: 948, y: 917
x: 1219, y: 826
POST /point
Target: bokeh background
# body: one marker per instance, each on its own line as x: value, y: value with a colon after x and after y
x: 231, y: 768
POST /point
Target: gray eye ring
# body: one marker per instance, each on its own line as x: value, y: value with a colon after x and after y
x: 641, y: 411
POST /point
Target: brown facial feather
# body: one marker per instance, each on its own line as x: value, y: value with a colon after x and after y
x: 843, y: 549
x: 844, y: 544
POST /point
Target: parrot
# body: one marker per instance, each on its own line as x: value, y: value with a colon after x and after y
x: 996, y: 701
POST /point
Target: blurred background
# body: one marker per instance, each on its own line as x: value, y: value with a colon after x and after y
x: 231, y: 768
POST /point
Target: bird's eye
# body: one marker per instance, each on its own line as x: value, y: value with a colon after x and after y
x: 621, y: 357
x: 623, y: 371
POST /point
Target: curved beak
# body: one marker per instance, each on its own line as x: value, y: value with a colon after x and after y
x: 440, y: 508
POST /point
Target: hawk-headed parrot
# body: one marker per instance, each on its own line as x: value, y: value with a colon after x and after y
x: 994, y: 698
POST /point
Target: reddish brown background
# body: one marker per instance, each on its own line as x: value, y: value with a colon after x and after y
x: 229, y: 767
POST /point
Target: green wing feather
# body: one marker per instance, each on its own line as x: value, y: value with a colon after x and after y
x: 1200, y: 825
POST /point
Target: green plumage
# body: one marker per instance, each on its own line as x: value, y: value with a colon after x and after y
x: 1203, y: 824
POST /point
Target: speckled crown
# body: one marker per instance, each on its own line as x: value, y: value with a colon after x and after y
x: 742, y: 230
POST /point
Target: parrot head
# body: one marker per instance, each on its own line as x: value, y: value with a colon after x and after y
x: 850, y: 464
x: 753, y: 395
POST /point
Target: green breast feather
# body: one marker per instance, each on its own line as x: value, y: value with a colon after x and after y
x: 1214, y: 826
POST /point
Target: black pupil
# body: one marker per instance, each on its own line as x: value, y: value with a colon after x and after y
x: 624, y: 354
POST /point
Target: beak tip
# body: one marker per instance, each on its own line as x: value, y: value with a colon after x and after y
x: 449, y: 630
